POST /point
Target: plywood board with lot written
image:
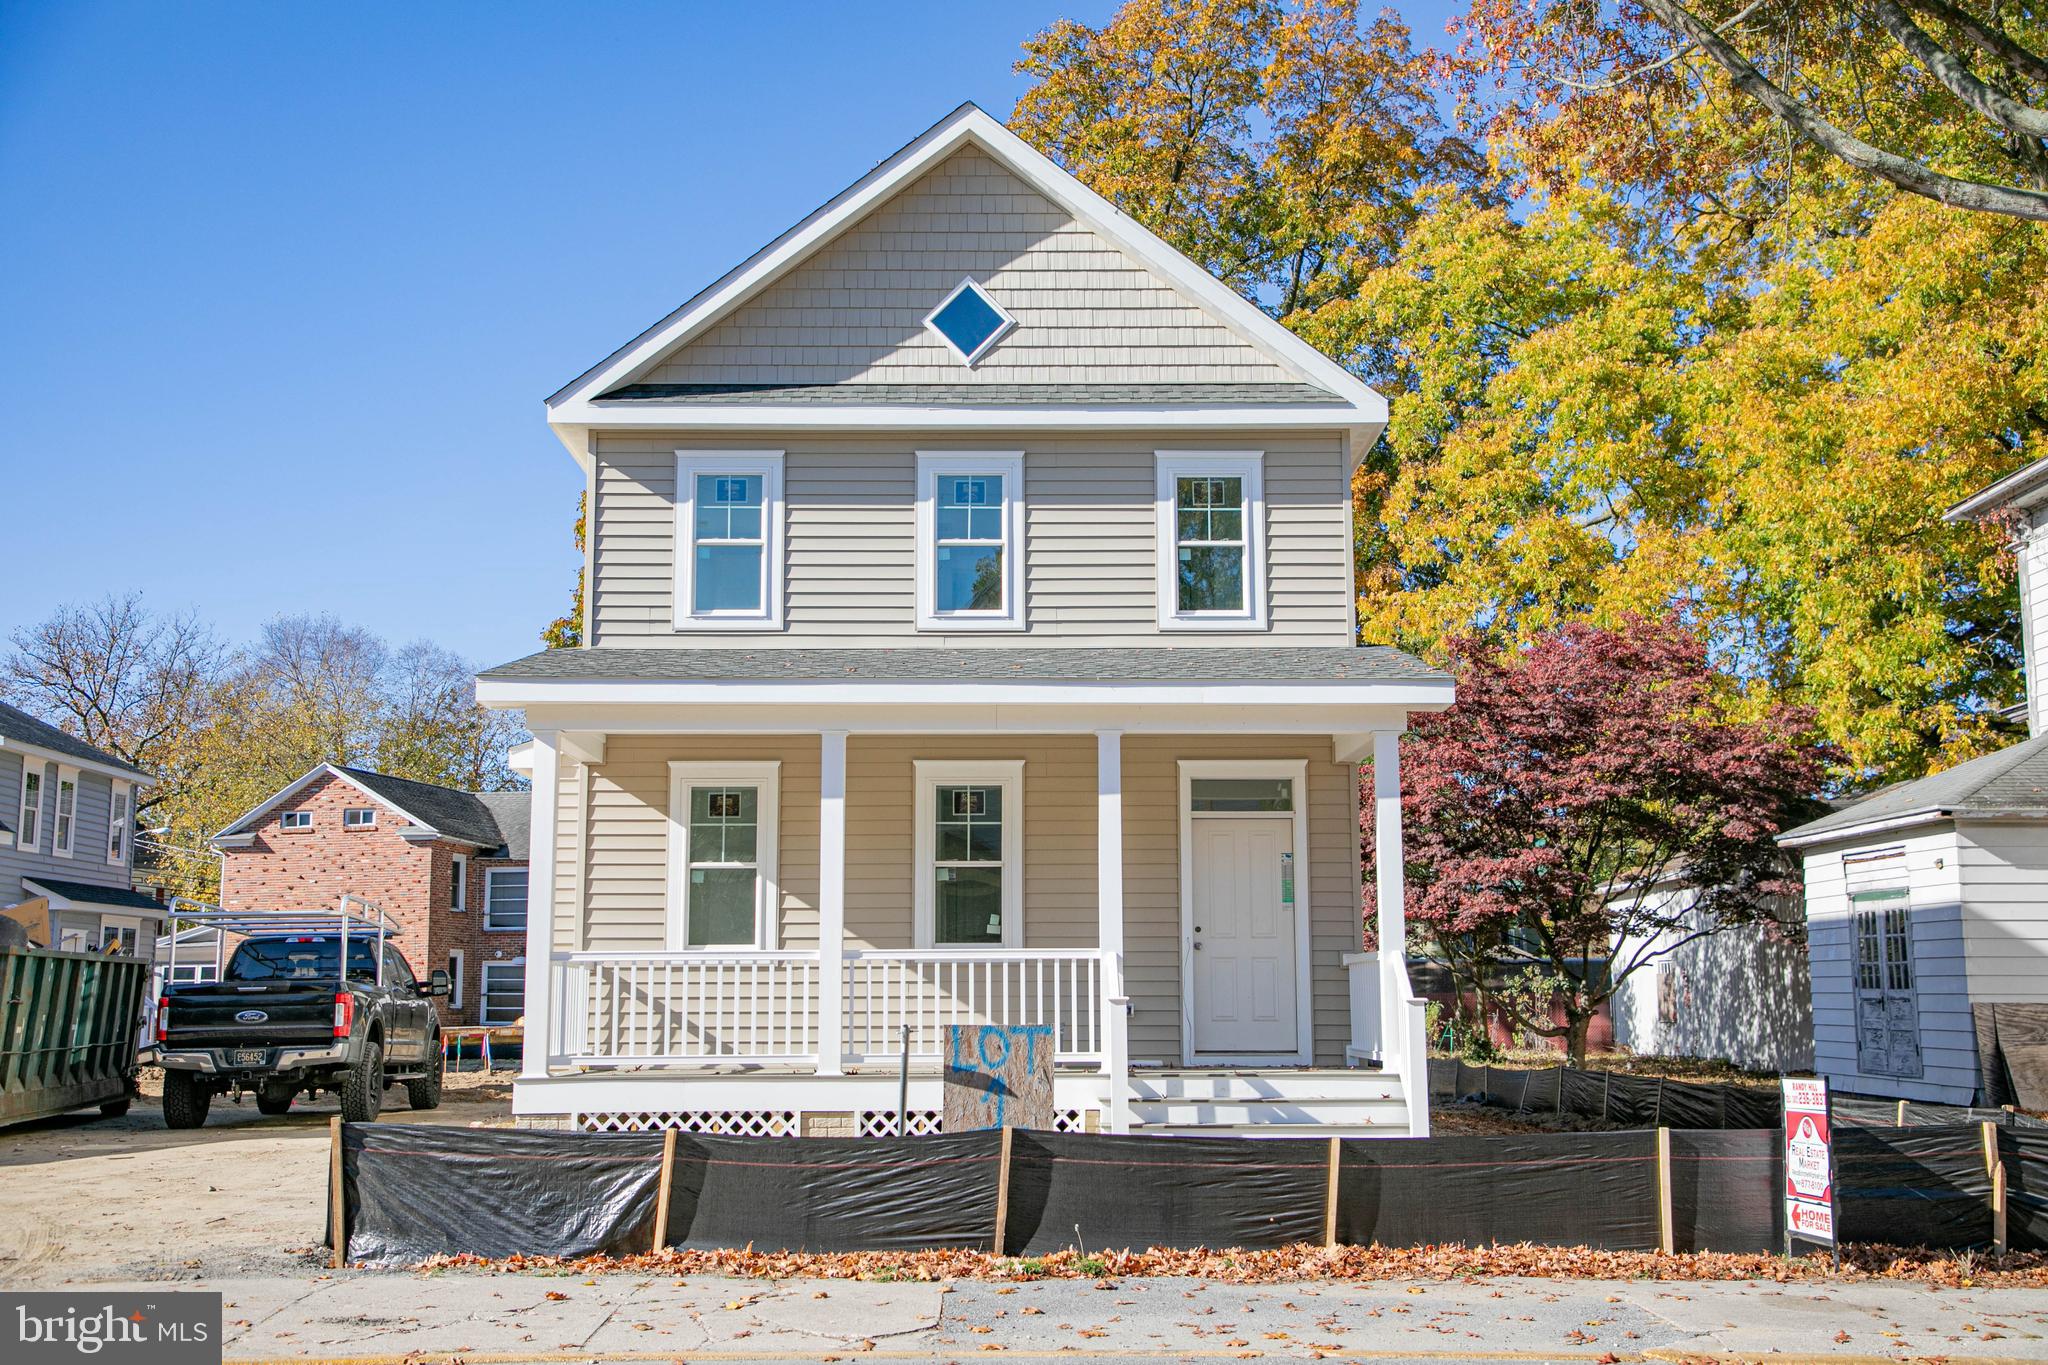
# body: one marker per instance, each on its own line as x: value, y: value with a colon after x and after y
x: 997, y: 1076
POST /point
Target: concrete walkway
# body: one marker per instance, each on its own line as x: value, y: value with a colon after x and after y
x: 370, y: 1317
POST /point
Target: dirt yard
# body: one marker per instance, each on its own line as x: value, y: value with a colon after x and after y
x: 85, y: 1198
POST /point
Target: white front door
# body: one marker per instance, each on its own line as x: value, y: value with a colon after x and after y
x: 1242, y: 944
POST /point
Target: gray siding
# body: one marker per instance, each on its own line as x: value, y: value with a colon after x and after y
x: 1948, y: 1044
x: 2005, y: 911
x: 855, y: 311
x: 1089, y: 567
x: 88, y: 861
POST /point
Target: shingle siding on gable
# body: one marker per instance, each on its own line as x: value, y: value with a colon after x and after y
x: 1090, y: 572
x: 854, y: 313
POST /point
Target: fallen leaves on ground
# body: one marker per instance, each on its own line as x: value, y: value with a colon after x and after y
x: 1302, y: 1262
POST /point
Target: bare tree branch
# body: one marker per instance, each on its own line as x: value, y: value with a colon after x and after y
x: 1908, y: 175
x: 1950, y: 70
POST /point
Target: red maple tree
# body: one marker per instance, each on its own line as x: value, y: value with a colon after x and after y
x: 1545, y: 812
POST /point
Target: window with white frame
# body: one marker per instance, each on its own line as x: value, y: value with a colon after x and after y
x: 969, y: 321
x: 455, y: 979
x: 722, y: 854
x: 970, y: 540
x: 505, y: 898
x: 295, y: 819
x: 970, y: 854
x: 504, y: 991
x: 1211, y: 529
x: 31, y: 805
x: 458, y: 882
x: 64, y: 822
x: 359, y: 817
x: 728, y: 540
x: 118, y: 816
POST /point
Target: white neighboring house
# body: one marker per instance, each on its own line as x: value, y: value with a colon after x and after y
x: 1925, y: 901
x: 1740, y: 994
x: 970, y: 637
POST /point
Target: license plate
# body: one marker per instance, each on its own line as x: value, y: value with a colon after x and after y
x: 251, y: 1056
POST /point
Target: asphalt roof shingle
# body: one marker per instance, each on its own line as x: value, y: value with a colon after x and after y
x: 1219, y: 395
x: 23, y: 728
x: 1218, y: 664
x: 2013, y: 781
x: 470, y: 817
x: 91, y: 893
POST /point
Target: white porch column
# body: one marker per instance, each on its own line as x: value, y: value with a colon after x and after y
x: 831, y: 902
x: 541, y: 1027
x: 1109, y: 922
x: 1389, y: 883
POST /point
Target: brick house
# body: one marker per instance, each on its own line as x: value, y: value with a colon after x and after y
x: 449, y: 866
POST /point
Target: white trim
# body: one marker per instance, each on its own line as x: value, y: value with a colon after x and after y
x: 491, y: 874
x: 292, y: 821
x: 1006, y: 325
x: 765, y: 465
x: 1294, y: 770
x: 1884, y: 824
x: 1247, y: 465
x: 312, y: 775
x: 120, y: 822
x: 933, y: 465
x: 115, y: 771
x: 483, y: 997
x: 63, y: 823
x: 641, y: 415
x: 965, y: 125
x: 30, y: 816
x: 930, y: 774
x: 457, y: 965
x: 543, y: 1010
x: 525, y: 692
x: 766, y: 777
x: 458, y: 883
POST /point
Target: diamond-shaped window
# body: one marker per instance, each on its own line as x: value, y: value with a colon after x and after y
x: 969, y: 321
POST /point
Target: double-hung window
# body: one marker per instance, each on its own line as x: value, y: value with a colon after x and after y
x: 728, y: 540
x: 505, y: 898
x: 458, y: 882
x: 970, y: 854
x: 504, y: 991
x: 31, y: 804
x: 64, y: 828
x: 117, y: 823
x: 722, y: 845
x: 1211, y: 529
x: 970, y: 540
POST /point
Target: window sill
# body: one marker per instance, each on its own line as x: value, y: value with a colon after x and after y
x: 717, y: 623
x: 947, y: 625
x: 1242, y: 625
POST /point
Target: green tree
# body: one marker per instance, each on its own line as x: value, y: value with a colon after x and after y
x: 566, y: 631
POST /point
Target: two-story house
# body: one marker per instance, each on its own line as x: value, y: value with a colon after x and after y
x: 970, y: 637
x: 1927, y: 901
x: 67, y: 842
x: 448, y: 866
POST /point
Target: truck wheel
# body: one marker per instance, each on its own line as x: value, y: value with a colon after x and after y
x: 185, y: 1100
x: 424, y: 1092
x: 362, y: 1086
x: 274, y: 1099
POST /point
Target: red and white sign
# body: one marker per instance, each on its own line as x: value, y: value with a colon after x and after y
x: 1809, y: 1161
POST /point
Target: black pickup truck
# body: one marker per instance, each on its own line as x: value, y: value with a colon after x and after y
x: 282, y: 1021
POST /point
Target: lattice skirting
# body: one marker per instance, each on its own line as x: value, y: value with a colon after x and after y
x: 789, y: 1122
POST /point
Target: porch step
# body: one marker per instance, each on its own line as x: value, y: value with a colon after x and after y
x: 1218, y: 1087
x: 1300, y: 1102
x: 1316, y: 1115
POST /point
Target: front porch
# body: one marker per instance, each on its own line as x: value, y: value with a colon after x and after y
x: 1178, y: 904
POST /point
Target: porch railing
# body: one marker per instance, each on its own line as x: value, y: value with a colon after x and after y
x: 689, y: 1007
x: 932, y: 990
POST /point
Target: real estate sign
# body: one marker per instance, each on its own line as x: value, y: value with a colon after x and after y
x: 1809, y: 1162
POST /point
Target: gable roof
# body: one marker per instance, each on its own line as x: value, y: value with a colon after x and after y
x: 587, y: 401
x: 472, y: 818
x: 2011, y: 782
x: 19, y: 730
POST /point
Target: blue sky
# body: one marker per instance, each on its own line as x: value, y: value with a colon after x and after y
x: 285, y: 285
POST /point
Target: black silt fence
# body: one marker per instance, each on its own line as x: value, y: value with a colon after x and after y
x: 409, y: 1193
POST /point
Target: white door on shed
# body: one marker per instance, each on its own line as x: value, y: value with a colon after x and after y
x: 1243, y: 942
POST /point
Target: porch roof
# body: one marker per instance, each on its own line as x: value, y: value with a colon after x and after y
x: 1218, y: 664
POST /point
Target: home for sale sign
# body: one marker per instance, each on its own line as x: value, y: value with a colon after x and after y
x: 1809, y: 1162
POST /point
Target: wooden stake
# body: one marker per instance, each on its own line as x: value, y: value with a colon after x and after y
x: 1003, y: 1192
x: 1901, y: 1120
x: 1998, y: 1208
x: 668, y: 1184
x: 1330, y: 1197
x: 337, y: 1211
x: 1667, y: 1231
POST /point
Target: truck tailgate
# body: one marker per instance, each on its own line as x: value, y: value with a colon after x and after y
x: 234, y: 1014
